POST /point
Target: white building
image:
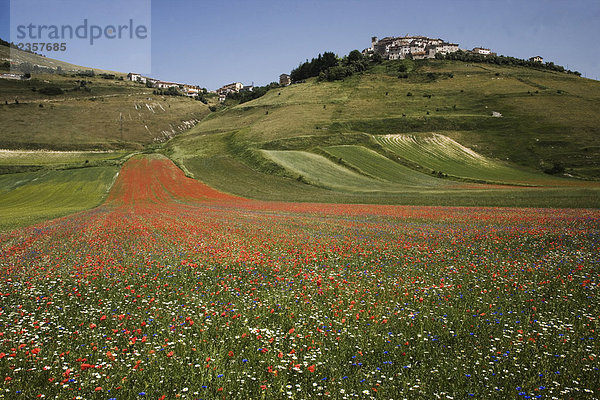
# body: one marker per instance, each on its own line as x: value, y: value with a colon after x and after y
x: 446, y: 48
x: 418, y: 47
x: 165, y: 84
x: 231, y: 88
x: 132, y: 76
x: 190, y: 90
x: 481, y: 50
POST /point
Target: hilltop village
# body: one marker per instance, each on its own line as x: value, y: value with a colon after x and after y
x: 388, y: 48
x: 415, y: 47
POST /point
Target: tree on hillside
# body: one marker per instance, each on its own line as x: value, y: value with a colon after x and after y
x: 315, y: 66
x: 461, y: 55
x: 328, y: 66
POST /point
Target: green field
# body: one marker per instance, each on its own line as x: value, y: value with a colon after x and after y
x: 439, y: 153
x: 31, y: 197
x: 111, y: 117
x: 320, y: 171
x: 376, y: 165
x: 12, y: 161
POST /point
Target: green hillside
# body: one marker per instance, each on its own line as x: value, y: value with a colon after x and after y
x: 374, y: 164
x: 443, y: 155
x: 79, y: 110
x: 17, y: 57
x: 447, y: 131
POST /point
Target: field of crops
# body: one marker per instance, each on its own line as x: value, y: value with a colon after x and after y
x: 174, y: 290
x: 442, y: 154
x: 30, y: 197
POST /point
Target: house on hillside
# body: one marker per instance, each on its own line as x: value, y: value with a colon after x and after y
x: 165, y: 84
x: 132, y: 76
x: 536, y: 59
x: 230, y: 88
x: 419, y: 55
x: 189, y: 90
x: 481, y: 50
x: 446, y: 48
x: 285, y: 80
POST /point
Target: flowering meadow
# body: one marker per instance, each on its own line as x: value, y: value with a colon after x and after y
x: 174, y: 290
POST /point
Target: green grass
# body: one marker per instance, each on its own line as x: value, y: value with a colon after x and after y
x: 441, y: 154
x: 13, y: 161
x: 92, y: 113
x: 16, y: 157
x: 325, y: 141
x: 321, y: 171
x: 31, y: 197
x: 208, y: 159
x: 376, y: 165
x: 556, y: 124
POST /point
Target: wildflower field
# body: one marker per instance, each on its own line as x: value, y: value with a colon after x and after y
x: 174, y: 290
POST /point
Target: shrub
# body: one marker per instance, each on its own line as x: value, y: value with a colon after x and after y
x: 51, y: 90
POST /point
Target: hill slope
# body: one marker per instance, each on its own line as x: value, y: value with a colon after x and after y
x: 331, y: 140
x: 73, y: 110
x: 16, y: 57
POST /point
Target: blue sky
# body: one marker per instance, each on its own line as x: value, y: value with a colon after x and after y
x: 211, y: 43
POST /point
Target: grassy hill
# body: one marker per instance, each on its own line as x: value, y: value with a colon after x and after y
x: 74, y: 111
x: 16, y: 57
x: 430, y: 137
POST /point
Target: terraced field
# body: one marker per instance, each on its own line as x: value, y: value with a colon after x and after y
x: 320, y: 171
x: 441, y: 154
x: 376, y: 165
x: 366, y: 171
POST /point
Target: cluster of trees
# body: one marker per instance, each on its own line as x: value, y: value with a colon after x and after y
x: 314, y: 67
x: 202, y: 96
x: 255, y: 93
x: 329, y: 67
x: 29, y: 68
x: 172, y: 91
x: 502, y: 60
